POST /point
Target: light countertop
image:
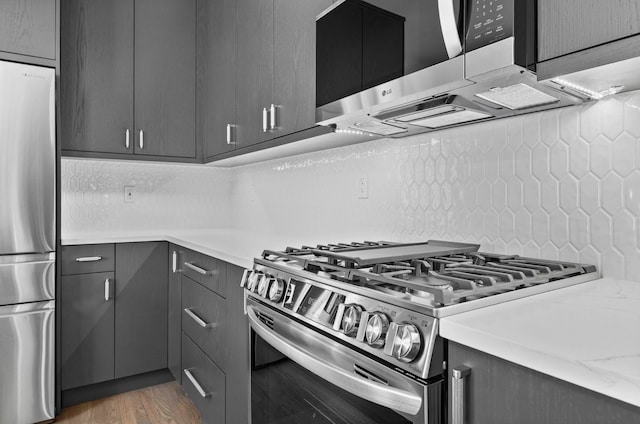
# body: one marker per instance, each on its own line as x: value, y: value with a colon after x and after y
x: 588, y: 335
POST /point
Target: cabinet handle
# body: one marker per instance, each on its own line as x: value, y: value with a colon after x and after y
x: 273, y: 117
x: 458, y: 376
x: 174, y: 262
x: 141, y: 139
x: 106, y: 290
x: 126, y: 139
x: 265, y: 120
x: 197, y: 269
x: 230, y: 134
x: 197, y: 319
x: 187, y: 372
x: 89, y: 259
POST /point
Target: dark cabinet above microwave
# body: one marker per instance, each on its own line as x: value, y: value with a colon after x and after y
x: 358, y: 46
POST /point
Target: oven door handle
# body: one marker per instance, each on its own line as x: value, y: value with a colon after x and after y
x: 390, y: 397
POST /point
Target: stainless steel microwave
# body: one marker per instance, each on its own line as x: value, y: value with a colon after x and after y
x: 453, y: 61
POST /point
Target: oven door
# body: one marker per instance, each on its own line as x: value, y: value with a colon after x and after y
x: 301, y: 376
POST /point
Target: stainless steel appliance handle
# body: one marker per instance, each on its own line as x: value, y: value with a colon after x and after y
x: 187, y: 372
x: 89, y: 259
x: 458, y: 376
x: 265, y: 120
x: 273, y: 117
x: 197, y: 269
x: 449, y: 27
x: 141, y: 139
x: 197, y: 319
x: 107, y: 290
x: 126, y: 138
x: 174, y: 261
x: 390, y: 397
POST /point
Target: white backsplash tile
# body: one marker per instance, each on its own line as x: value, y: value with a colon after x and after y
x: 562, y: 184
x: 167, y: 196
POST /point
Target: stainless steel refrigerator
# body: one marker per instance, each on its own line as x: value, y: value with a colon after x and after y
x: 27, y: 242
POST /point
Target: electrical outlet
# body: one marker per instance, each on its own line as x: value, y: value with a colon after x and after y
x: 128, y: 194
x: 363, y: 187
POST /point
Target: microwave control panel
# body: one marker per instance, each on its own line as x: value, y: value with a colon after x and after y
x: 489, y: 21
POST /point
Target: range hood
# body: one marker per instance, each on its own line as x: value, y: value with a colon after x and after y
x: 492, y: 76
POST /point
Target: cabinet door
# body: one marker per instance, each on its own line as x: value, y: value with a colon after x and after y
x: 97, y: 75
x: 174, y: 357
x: 216, y: 75
x: 254, y: 61
x: 237, y: 365
x: 295, y: 62
x: 28, y: 27
x: 165, y: 77
x: 570, y: 25
x: 87, y: 328
x: 141, y: 308
x: 497, y: 391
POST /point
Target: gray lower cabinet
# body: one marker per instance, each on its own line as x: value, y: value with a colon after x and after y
x: 174, y: 325
x: 87, y: 321
x: 113, y: 324
x: 498, y: 391
x: 213, y: 339
x: 141, y: 308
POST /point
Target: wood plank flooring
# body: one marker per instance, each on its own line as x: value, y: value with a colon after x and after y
x: 164, y: 403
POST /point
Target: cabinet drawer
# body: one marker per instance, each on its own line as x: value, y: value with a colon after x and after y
x: 208, y: 271
x: 87, y: 258
x: 204, y: 382
x: 204, y: 319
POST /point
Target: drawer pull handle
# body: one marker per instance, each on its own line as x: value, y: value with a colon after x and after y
x: 187, y: 372
x: 89, y: 259
x: 458, y: 376
x: 197, y: 269
x: 197, y: 319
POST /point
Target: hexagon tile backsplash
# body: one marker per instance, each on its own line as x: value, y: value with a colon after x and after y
x: 561, y: 184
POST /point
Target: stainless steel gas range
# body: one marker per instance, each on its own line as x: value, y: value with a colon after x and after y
x: 349, y: 332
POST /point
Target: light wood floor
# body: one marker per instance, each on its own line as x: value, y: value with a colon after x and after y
x: 164, y: 403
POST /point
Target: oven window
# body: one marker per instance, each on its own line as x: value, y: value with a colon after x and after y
x: 282, y: 392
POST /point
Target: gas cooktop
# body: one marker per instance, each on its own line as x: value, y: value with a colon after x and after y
x: 433, y: 275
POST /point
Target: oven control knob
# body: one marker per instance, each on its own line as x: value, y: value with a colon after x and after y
x: 376, y: 329
x: 351, y: 319
x: 403, y: 342
x: 263, y: 286
x: 252, y: 281
x: 276, y: 291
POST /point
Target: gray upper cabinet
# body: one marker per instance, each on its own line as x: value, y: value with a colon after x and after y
x: 128, y: 79
x: 294, y: 82
x: 165, y: 78
x: 568, y: 26
x: 216, y: 76
x: 28, y: 27
x: 97, y: 76
x: 270, y: 62
x: 254, y: 80
x: 141, y: 308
